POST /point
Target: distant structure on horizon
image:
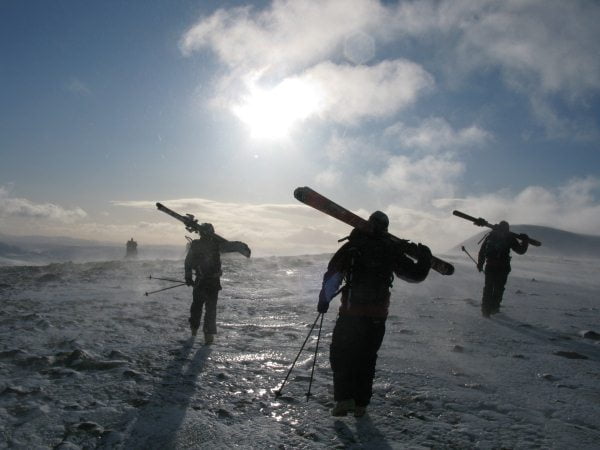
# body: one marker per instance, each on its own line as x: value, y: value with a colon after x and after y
x: 131, y: 249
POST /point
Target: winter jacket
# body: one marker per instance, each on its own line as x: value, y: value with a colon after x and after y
x: 367, y: 263
x: 495, y: 249
x: 204, y: 259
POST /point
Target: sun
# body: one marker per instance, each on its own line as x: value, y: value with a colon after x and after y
x: 272, y: 113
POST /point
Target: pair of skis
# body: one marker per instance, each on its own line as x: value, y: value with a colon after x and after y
x: 315, y: 200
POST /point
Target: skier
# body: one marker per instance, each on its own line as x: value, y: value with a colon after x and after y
x: 367, y: 263
x: 204, y: 259
x: 495, y: 252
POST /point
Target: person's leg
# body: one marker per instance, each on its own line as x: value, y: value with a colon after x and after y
x: 488, y: 292
x: 196, y: 309
x: 210, y: 315
x: 372, y: 333
x: 341, y: 357
x: 499, y: 284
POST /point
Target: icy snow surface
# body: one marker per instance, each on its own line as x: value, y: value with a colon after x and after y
x: 88, y: 361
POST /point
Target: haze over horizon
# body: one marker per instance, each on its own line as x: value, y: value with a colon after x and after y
x: 221, y: 110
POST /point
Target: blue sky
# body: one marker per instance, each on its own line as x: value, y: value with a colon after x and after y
x: 221, y: 109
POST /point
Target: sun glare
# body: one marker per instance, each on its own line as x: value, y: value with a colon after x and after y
x: 272, y: 113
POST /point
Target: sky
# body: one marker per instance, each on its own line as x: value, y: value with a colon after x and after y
x: 221, y: 109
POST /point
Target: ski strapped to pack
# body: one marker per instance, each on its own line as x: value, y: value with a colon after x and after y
x: 481, y: 222
x: 315, y: 200
x: 192, y: 225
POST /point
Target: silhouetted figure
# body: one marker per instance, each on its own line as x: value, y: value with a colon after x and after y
x: 367, y: 264
x: 131, y: 249
x: 495, y: 253
x: 204, y: 259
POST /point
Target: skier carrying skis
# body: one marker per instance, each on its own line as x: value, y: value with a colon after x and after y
x: 204, y: 259
x: 495, y: 252
x: 367, y: 263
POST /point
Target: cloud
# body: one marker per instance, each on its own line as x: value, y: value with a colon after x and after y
x: 547, y: 44
x: 77, y: 86
x: 21, y: 208
x: 435, y: 134
x: 329, y: 178
x: 520, y: 39
x: 288, y: 35
x: 352, y: 93
x: 269, y: 229
x: 301, y: 42
x: 417, y: 181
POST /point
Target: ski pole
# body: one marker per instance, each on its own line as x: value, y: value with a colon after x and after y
x: 465, y: 250
x: 308, y: 394
x: 278, y: 392
x: 164, y: 279
x: 164, y: 289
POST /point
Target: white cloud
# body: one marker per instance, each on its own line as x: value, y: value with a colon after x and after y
x: 436, y: 134
x: 549, y: 43
x: 329, y: 178
x: 288, y: 35
x: 352, y: 93
x: 266, y: 228
x: 14, y: 207
x: 416, y: 182
x: 542, y: 48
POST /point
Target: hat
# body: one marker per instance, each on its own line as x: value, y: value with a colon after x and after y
x: 207, y: 229
x: 379, y: 221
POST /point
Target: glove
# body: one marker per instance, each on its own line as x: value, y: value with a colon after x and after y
x: 480, y: 267
x: 189, y: 281
x: 323, y: 304
x: 424, y: 254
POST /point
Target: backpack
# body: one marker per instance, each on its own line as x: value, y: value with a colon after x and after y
x: 205, y: 257
x: 369, y: 273
x: 497, y: 246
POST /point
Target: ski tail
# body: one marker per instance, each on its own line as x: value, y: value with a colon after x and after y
x: 315, y: 200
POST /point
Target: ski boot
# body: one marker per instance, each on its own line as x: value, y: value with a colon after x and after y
x: 343, y: 407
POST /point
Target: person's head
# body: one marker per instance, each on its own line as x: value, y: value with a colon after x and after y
x: 207, y: 230
x: 379, y: 222
x: 503, y: 226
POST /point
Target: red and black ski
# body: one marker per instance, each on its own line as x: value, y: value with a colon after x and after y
x: 315, y: 200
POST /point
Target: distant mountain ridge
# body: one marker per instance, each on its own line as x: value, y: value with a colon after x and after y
x: 554, y: 241
x: 36, y: 250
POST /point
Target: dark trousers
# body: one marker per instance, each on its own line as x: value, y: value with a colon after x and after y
x: 353, y: 354
x: 205, y: 296
x: 495, y: 280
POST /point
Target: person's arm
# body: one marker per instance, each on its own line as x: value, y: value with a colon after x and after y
x: 189, y: 280
x: 332, y: 279
x: 520, y: 247
x: 481, y: 255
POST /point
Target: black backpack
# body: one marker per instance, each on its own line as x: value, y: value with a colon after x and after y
x: 497, y: 246
x: 371, y: 262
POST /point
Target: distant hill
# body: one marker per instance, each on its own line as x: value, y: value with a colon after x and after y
x: 36, y: 250
x: 554, y: 242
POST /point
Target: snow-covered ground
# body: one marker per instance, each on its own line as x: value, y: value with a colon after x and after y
x: 88, y: 361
